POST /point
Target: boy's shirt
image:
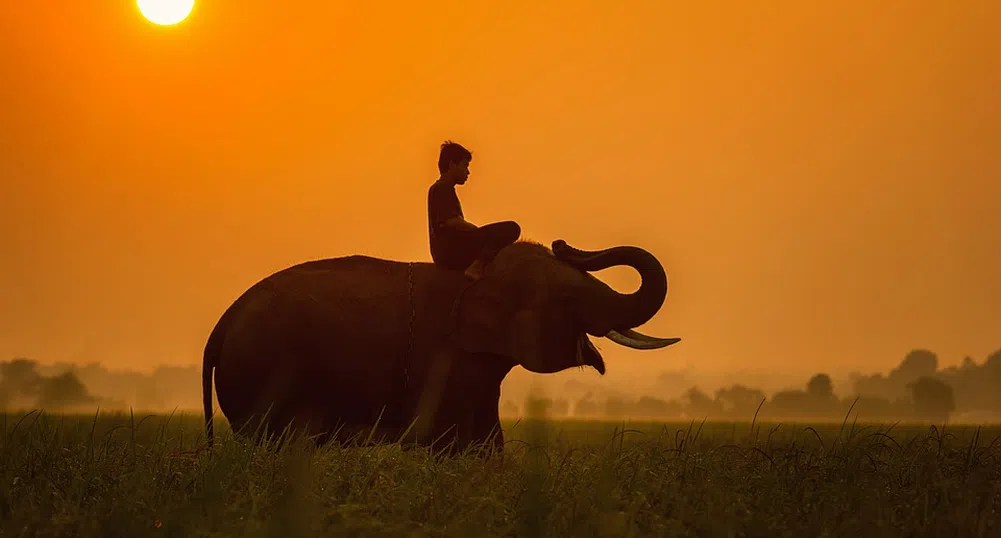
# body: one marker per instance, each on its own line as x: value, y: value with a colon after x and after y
x: 443, y: 204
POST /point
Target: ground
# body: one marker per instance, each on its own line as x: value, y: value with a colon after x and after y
x: 122, y: 475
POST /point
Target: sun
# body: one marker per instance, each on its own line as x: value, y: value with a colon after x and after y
x: 165, y: 12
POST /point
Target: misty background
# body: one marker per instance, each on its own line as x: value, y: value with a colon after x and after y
x: 916, y: 389
x: 819, y: 180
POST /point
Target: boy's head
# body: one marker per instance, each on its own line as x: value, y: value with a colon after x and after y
x: 453, y: 162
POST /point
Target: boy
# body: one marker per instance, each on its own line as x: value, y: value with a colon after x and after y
x: 456, y: 243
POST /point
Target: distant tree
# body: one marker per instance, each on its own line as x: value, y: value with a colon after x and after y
x: 822, y: 401
x: 63, y: 391
x: 699, y: 404
x: 739, y: 400
x: 820, y: 387
x: 990, y: 380
x: 789, y: 404
x: 586, y: 407
x: 21, y: 375
x: 917, y: 363
x: 933, y: 398
x: 616, y: 407
x: 19, y: 382
x: 873, y: 408
x: 541, y: 406
x: 994, y: 360
x: 973, y: 389
x: 648, y: 406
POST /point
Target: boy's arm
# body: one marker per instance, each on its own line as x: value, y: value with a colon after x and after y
x: 442, y: 213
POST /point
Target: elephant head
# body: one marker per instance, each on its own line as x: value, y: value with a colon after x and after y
x: 537, y: 306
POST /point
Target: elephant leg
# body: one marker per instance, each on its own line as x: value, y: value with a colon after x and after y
x: 486, y: 430
x: 498, y: 439
x: 495, y: 438
x: 488, y: 418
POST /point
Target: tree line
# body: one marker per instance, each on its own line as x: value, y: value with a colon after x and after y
x: 916, y: 389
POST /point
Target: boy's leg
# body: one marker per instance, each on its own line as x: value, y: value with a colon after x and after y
x: 458, y: 248
x: 496, y: 236
x: 490, y: 239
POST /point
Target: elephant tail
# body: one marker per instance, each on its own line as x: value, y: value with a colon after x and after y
x: 208, y: 365
x: 210, y: 359
x: 207, y: 368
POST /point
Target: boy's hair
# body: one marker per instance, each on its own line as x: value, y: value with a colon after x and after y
x: 451, y: 152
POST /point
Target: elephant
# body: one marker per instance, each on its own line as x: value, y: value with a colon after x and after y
x: 412, y: 352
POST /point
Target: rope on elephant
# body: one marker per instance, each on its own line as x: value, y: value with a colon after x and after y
x: 413, y: 321
x: 453, y: 314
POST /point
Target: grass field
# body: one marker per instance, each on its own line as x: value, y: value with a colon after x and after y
x: 122, y: 475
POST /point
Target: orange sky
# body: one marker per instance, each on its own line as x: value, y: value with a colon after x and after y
x: 822, y: 184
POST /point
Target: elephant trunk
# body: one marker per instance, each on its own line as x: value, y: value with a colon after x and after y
x: 625, y: 310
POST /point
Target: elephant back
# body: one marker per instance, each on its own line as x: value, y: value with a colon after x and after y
x: 336, y: 317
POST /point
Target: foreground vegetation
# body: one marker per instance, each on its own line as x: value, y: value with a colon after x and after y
x: 125, y: 475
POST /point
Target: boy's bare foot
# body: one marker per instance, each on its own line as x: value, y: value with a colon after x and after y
x: 475, y: 270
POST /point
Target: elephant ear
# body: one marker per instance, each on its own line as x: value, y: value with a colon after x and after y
x: 485, y: 318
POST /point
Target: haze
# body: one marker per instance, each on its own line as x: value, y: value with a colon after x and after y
x: 820, y: 180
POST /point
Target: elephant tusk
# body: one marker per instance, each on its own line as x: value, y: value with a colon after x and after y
x: 637, y: 340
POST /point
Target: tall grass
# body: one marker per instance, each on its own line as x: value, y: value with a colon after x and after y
x: 129, y: 475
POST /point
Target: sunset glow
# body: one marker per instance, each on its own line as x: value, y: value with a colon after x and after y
x: 620, y: 269
x: 819, y: 181
x: 165, y: 12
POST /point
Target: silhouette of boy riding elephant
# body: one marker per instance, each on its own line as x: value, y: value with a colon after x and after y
x: 456, y: 243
